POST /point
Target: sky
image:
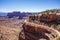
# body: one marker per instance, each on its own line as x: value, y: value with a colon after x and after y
x: 28, y: 5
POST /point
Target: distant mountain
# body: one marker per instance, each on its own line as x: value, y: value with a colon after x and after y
x: 3, y: 14
x: 19, y: 14
x: 50, y: 11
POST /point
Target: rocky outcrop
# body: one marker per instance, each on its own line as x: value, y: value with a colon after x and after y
x: 18, y: 14
x: 35, y: 31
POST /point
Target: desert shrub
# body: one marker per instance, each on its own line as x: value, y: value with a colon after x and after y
x: 58, y: 38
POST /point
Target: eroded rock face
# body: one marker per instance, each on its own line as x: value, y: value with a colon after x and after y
x: 12, y: 30
x: 35, y: 31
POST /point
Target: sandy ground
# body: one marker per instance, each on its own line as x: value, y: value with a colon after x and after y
x: 10, y: 29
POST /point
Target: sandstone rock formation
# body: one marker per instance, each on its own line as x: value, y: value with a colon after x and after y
x: 35, y: 31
